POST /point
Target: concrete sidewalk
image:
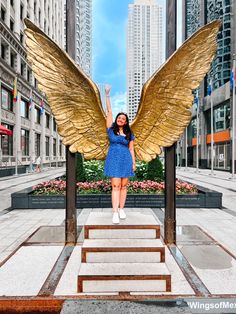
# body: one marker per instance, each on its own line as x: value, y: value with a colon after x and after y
x: 205, y: 239
x: 9, y: 185
x: 206, y: 250
x: 220, y: 181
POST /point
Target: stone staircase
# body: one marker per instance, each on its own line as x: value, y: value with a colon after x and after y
x: 129, y: 257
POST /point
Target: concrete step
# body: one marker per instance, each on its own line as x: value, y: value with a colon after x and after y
x: 123, y: 251
x: 124, y: 277
x: 135, y: 226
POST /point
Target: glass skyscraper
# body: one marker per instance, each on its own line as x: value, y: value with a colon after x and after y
x: 200, y: 12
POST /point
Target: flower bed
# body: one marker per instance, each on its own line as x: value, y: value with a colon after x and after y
x: 144, y: 194
x: 58, y: 187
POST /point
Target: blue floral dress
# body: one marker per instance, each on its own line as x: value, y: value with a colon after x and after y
x: 118, y: 162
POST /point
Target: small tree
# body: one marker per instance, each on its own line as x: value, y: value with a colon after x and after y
x: 80, y: 173
x: 155, y: 170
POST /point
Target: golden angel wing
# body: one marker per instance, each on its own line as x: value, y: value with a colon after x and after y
x: 74, y: 98
x: 164, y: 110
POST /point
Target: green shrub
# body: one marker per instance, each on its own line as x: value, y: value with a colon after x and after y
x: 80, y: 173
x: 155, y: 170
x: 94, y: 170
x: 141, y: 171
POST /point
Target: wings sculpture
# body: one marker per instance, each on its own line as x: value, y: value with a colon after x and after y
x: 166, y: 99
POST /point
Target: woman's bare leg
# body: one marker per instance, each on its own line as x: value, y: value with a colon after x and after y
x: 123, y: 192
x: 115, y: 194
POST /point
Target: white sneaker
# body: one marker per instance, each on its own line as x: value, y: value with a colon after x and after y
x: 122, y: 214
x: 115, y: 218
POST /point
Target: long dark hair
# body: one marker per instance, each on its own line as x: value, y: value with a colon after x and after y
x: 126, y: 128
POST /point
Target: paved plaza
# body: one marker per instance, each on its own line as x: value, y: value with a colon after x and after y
x: 220, y: 181
x: 202, y: 264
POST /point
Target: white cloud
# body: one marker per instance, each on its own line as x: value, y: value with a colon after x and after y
x: 118, y: 103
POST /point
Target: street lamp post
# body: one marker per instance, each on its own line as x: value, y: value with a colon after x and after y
x: 71, y: 213
x: 233, y: 123
x: 170, y: 160
x: 186, y: 149
x: 197, y: 146
x: 212, y: 138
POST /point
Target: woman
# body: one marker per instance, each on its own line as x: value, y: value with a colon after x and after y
x: 38, y: 164
x: 120, y: 161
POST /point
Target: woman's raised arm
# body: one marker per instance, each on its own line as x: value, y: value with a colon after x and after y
x: 108, y: 106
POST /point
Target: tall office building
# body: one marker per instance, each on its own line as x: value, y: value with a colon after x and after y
x: 145, y: 50
x: 193, y: 20
x: 83, y: 34
x: 32, y: 124
x: 221, y: 67
x: 196, y: 13
x: 200, y: 12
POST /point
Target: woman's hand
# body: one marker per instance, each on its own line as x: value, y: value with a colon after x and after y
x: 107, y: 89
x: 134, y: 166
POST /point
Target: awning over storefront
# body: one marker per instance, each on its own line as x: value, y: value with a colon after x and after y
x: 4, y: 131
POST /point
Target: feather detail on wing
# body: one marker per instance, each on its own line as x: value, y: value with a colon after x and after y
x: 164, y: 110
x: 73, y: 97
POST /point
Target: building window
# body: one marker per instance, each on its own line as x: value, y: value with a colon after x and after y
x: 3, y: 14
x: 25, y: 142
x: 37, y: 144
x: 3, y: 51
x: 227, y: 41
x: 47, y: 117
x: 24, y: 108
x: 47, y: 145
x: 7, y: 99
x: 12, y: 2
x: 7, y: 142
x: 11, y: 25
x: 21, y: 12
x: 37, y: 115
x: 54, y: 125
x: 221, y: 118
x: 60, y: 148
x: 12, y: 60
x: 22, y: 68
x: 21, y: 37
x: 28, y: 75
x: 54, y: 147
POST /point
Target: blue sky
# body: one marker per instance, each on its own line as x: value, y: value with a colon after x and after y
x: 109, y: 47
